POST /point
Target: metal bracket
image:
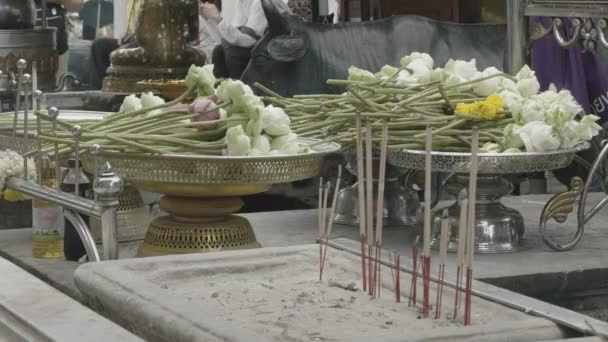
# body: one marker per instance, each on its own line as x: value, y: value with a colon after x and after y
x: 558, y: 208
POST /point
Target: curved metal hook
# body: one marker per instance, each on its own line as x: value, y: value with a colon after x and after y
x: 558, y: 24
x: 538, y: 32
x: 558, y: 208
x: 84, y: 234
x: 602, y: 24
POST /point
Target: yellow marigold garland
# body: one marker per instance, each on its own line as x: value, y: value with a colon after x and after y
x: 486, y: 109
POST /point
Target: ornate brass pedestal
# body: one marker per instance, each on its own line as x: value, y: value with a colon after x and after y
x: 201, y: 194
x: 200, y: 224
x: 163, y: 29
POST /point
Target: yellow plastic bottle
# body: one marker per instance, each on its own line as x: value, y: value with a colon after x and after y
x: 47, y: 221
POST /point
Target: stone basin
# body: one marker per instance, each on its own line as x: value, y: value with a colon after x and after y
x: 274, y: 294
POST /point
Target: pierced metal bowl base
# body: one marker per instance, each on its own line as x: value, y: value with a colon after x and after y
x: 167, y: 236
x: 498, y: 229
x: 401, y: 206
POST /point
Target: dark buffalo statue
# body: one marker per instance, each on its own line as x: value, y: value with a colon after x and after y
x: 296, y: 57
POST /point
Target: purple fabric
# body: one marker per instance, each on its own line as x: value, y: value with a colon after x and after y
x: 574, y: 69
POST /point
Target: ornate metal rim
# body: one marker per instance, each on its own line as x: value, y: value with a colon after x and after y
x: 492, y: 163
x: 202, y: 169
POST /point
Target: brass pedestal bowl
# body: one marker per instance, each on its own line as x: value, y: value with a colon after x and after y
x: 201, y: 194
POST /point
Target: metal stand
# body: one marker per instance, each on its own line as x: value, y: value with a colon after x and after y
x: 589, y: 23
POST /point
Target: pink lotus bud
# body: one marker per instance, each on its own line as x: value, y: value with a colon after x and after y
x: 203, y: 105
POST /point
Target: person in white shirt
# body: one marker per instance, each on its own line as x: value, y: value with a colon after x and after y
x: 239, y: 35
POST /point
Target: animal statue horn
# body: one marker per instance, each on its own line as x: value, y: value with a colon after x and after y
x: 277, y: 22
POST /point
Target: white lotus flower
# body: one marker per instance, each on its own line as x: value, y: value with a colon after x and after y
x: 532, y: 110
x: 490, y: 148
x: 260, y: 146
x: 528, y: 87
x: 538, y: 137
x: 525, y: 72
x: 588, y: 128
x: 569, y: 135
x: 489, y: 86
x: 421, y: 70
x: 512, y: 150
x: 463, y: 70
x: 423, y: 57
x: 238, y: 143
x: 275, y: 121
x: 150, y: 100
x: 405, y: 78
x: 510, y: 139
x: 130, y: 103
x: 507, y: 84
x: 513, y: 102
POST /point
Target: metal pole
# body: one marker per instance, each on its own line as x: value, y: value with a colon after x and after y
x: 83, y: 232
x: 27, y: 81
x: 107, y: 189
x: 43, y: 10
x: 517, y: 35
x: 64, y: 199
x: 21, y: 64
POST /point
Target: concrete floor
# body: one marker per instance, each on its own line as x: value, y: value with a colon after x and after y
x: 287, y: 228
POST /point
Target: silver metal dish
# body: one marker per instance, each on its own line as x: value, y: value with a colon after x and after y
x: 204, y: 169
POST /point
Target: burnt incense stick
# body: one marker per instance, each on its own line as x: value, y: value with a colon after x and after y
x: 361, y: 186
x: 414, y: 284
x: 444, y: 239
x: 462, y: 242
x: 330, y: 224
x: 426, y: 239
x: 369, y: 201
x: 380, y: 203
x: 398, y: 276
x: 471, y: 225
x: 320, y: 223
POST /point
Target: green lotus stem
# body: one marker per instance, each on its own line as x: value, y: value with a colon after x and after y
x: 136, y: 145
x: 118, y: 116
x: 191, y: 125
x: 451, y: 125
x: 137, y: 121
x: 267, y: 91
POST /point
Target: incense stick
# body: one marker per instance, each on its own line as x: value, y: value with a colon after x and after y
x: 462, y: 242
x: 426, y: 240
x: 324, y: 227
x: 330, y: 224
x: 369, y: 198
x: 398, y: 287
x: 320, y: 223
x: 361, y: 185
x: 444, y: 239
x: 380, y: 201
x: 471, y: 224
x: 413, y: 285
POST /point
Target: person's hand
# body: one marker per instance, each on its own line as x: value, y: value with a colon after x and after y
x: 209, y: 11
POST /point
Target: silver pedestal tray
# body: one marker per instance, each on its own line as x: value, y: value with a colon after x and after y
x: 499, y: 229
x: 401, y: 202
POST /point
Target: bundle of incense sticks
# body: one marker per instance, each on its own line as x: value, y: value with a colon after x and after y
x: 326, y: 222
x: 462, y: 233
x: 444, y: 239
x: 426, y: 239
x: 380, y: 208
x: 362, y: 209
x: 470, y: 249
